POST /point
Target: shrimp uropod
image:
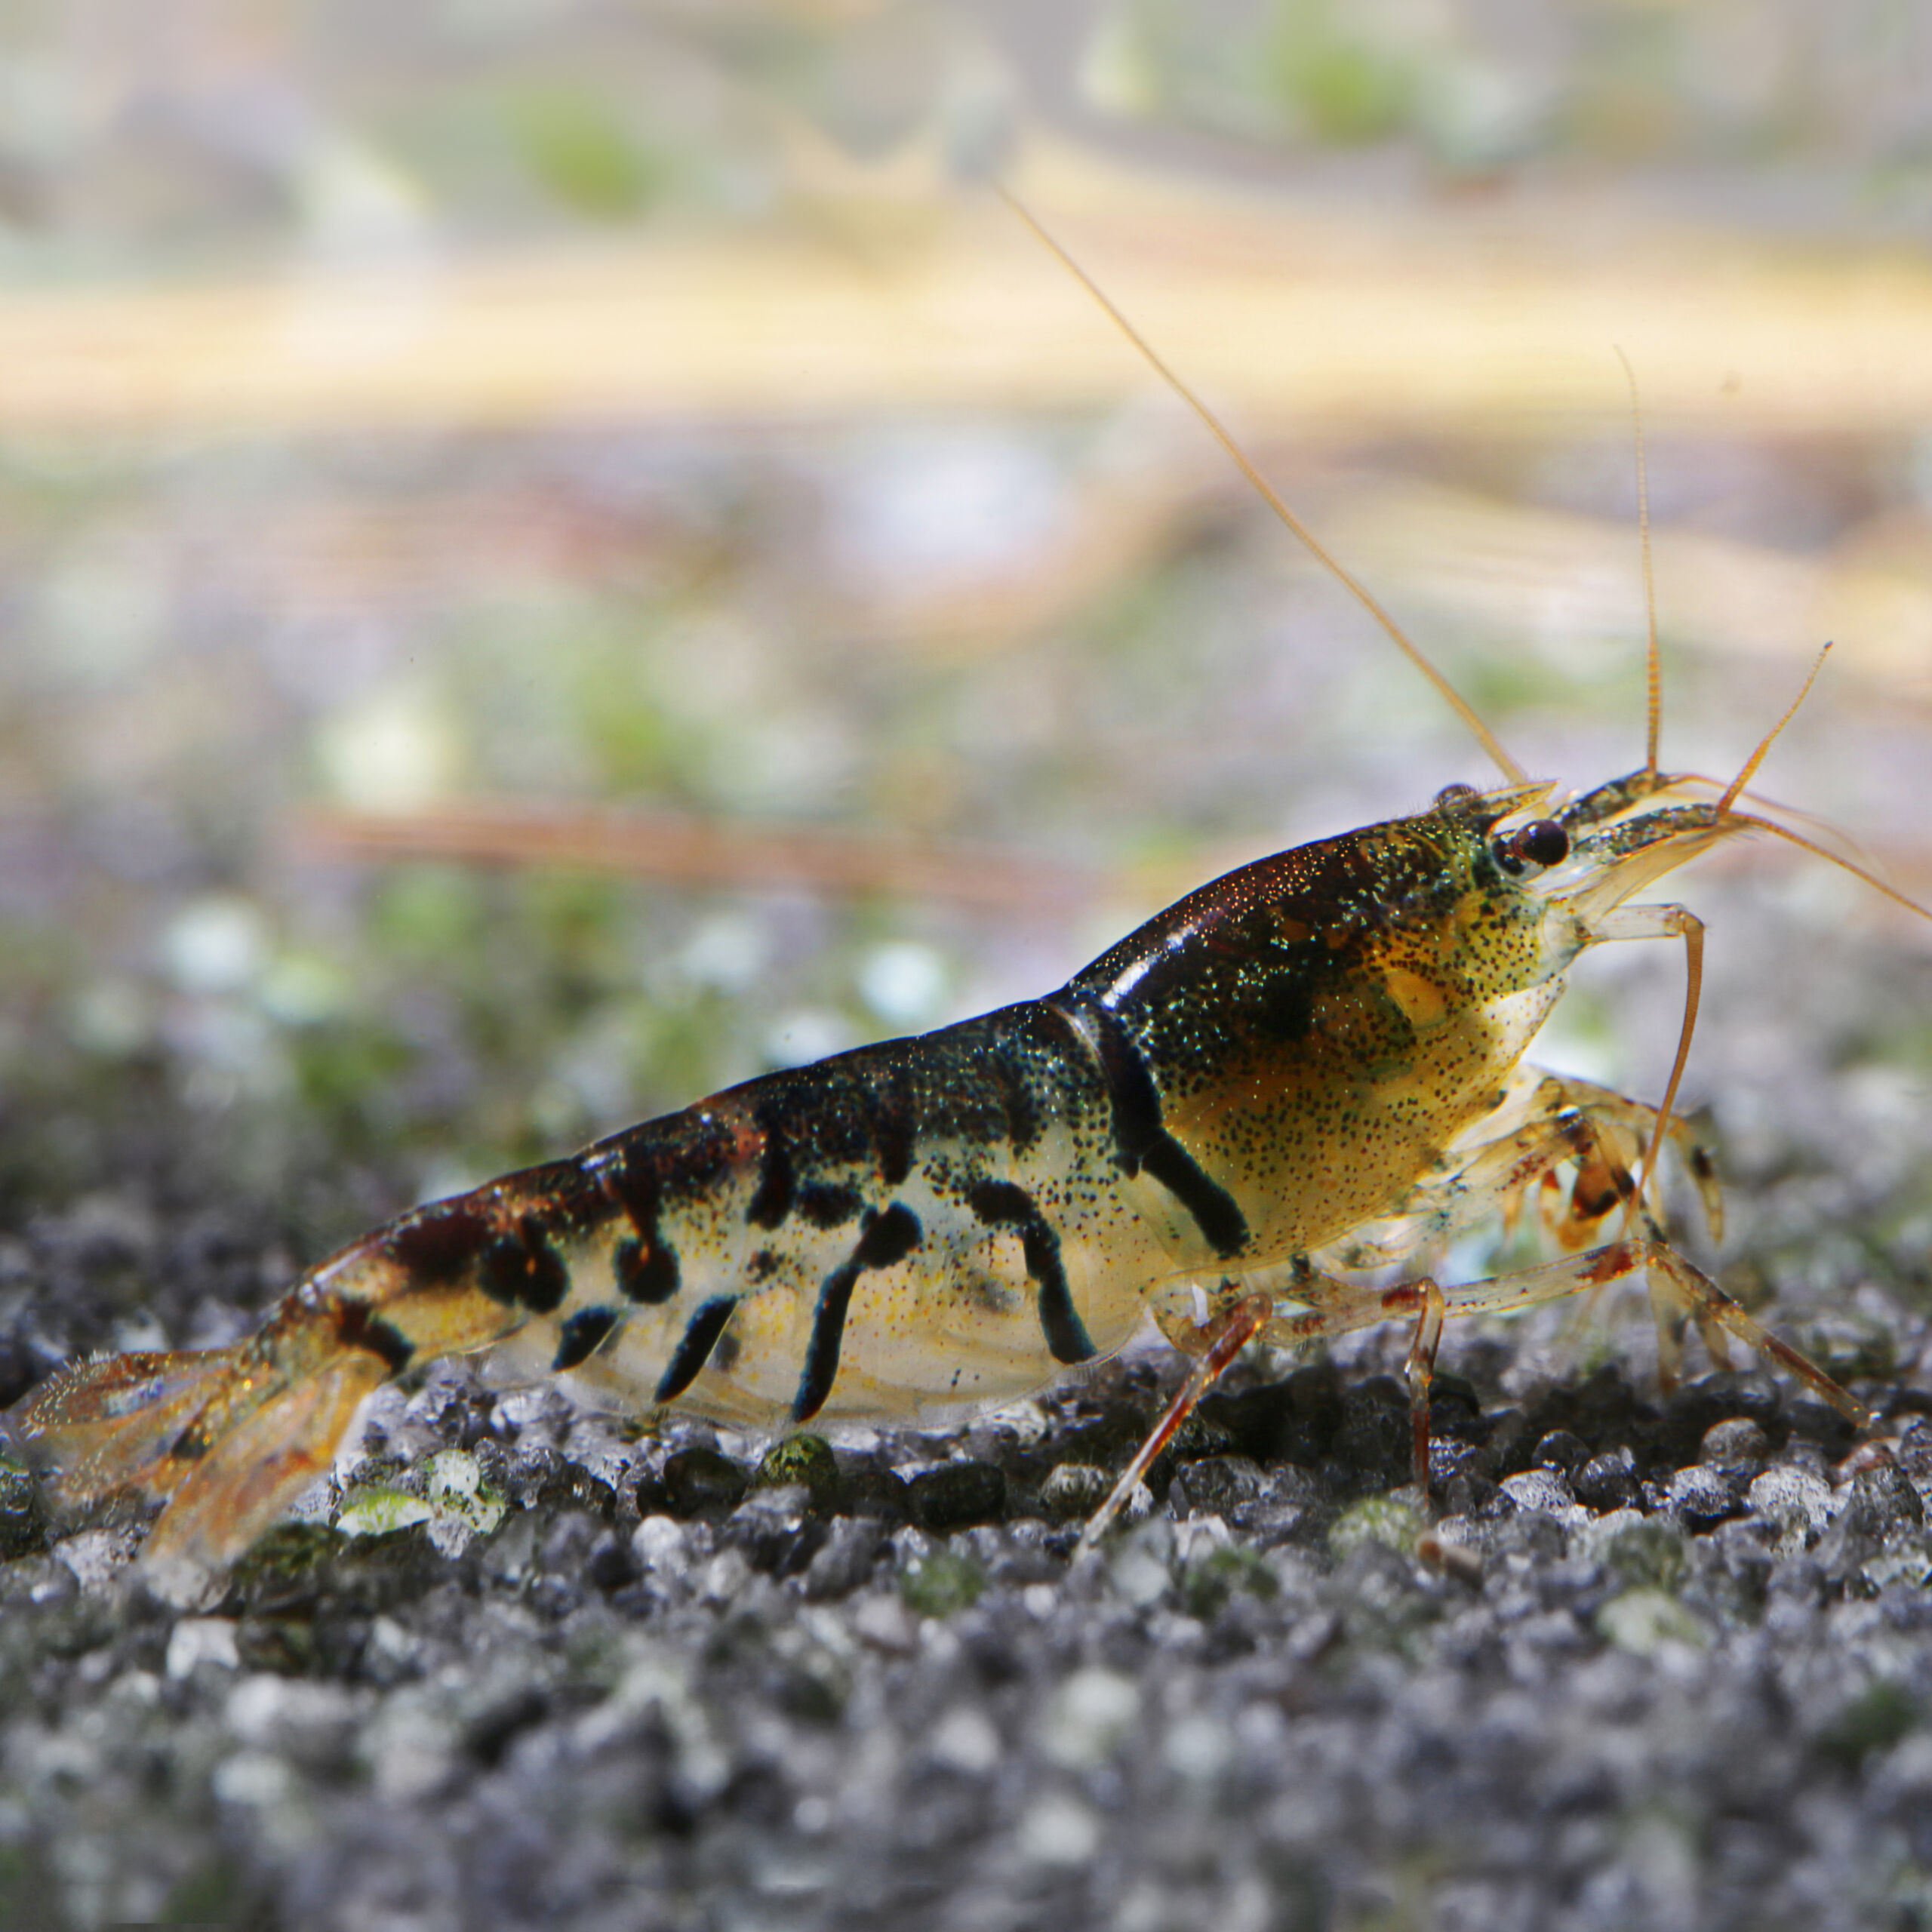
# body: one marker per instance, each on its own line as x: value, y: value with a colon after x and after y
x: 1240, y: 1121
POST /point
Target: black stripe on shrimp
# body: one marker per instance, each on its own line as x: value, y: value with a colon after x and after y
x: 1142, y: 1143
x: 1000, y: 1203
x: 886, y: 1238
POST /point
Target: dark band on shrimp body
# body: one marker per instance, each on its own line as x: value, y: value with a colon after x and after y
x: 1140, y: 1141
x: 1000, y: 1203
x: 885, y: 1240
x: 694, y: 1346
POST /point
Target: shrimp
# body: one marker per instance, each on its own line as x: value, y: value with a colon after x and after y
x: 1239, y: 1121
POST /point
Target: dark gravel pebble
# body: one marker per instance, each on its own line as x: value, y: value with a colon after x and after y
x: 1608, y: 1481
x: 957, y: 1494
x: 697, y: 1481
x: 806, y: 1460
x: 1561, y: 1450
x: 1215, y: 1486
x: 1737, y: 1443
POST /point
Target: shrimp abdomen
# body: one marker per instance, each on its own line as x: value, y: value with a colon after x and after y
x: 920, y: 1222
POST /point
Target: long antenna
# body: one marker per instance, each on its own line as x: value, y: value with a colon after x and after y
x: 1653, y: 664
x: 1770, y: 738
x: 1692, y: 929
x: 1736, y: 790
x: 1451, y: 696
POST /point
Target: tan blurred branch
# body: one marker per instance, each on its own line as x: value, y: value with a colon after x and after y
x: 699, y: 851
x: 1289, y: 317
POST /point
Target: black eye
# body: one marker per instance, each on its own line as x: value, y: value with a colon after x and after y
x: 1542, y: 842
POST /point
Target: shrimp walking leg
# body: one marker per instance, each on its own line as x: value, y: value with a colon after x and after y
x: 1554, y: 1121
x: 1679, y: 1290
x: 1230, y: 1332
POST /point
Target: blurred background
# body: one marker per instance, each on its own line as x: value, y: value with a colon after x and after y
x: 556, y: 554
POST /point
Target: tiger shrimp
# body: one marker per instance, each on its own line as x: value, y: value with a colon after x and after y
x: 1249, y: 1120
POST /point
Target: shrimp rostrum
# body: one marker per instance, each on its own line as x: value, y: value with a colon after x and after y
x: 1258, y: 1117
x: 1213, y: 1123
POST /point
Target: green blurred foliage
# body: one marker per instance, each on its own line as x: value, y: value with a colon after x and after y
x: 576, y: 145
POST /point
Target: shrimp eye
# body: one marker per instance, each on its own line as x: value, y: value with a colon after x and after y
x: 1542, y: 842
